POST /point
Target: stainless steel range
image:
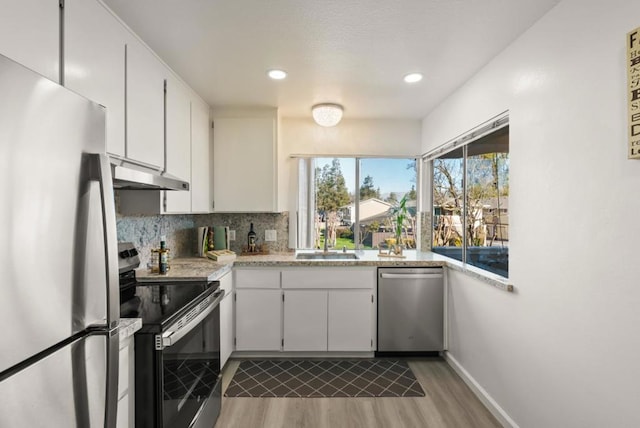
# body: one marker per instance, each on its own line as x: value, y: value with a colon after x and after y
x: 178, y: 381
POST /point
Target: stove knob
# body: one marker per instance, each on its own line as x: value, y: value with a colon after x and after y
x: 125, y: 254
x: 133, y: 252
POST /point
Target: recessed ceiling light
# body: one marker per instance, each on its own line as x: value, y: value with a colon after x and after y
x: 277, y: 74
x: 413, y: 77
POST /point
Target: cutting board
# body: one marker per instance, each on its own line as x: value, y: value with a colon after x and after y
x: 221, y: 255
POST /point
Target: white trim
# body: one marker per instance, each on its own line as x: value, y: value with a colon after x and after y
x: 491, y: 404
x: 493, y: 124
x: 352, y: 156
x: 301, y: 354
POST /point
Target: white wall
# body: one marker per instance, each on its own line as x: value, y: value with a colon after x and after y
x: 385, y: 137
x: 564, y: 350
x: 351, y: 137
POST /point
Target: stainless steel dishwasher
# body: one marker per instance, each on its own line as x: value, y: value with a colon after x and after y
x: 410, y: 311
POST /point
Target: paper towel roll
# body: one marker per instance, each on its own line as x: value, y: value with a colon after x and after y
x: 202, y: 241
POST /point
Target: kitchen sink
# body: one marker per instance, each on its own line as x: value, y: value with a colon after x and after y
x: 326, y: 256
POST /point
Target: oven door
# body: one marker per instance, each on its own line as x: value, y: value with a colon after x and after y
x: 190, y: 364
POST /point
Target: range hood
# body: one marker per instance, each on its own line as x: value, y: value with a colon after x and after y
x: 131, y: 176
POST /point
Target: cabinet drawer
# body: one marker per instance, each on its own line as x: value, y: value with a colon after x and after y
x: 257, y: 278
x: 329, y: 278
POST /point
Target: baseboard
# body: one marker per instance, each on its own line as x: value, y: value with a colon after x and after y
x: 299, y: 354
x: 491, y: 404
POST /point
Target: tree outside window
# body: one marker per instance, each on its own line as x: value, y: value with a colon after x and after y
x: 384, y: 182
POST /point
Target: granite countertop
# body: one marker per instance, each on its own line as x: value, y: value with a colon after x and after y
x: 128, y: 326
x: 203, y: 269
x: 187, y: 269
x: 365, y: 258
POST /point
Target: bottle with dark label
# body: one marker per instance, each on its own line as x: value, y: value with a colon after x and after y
x: 163, y: 256
x: 251, y: 240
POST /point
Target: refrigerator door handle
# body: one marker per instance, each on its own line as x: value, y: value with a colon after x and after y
x: 101, y: 172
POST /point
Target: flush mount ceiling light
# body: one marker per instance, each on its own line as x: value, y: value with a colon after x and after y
x: 413, y: 77
x: 327, y: 114
x: 277, y: 74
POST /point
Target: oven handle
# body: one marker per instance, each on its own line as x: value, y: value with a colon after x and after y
x: 173, y: 335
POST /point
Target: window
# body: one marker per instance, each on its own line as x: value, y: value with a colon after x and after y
x: 470, y: 197
x: 350, y: 200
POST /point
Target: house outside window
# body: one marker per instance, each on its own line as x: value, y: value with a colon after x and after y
x: 470, y: 200
x: 351, y: 200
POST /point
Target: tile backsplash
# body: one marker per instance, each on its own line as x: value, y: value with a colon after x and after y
x: 181, y: 231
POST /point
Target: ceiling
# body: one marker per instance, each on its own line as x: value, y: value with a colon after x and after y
x: 351, y: 52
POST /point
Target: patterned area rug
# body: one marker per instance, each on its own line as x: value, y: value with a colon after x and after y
x: 324, y: 378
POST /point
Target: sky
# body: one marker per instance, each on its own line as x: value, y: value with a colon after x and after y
x: 390, y: 175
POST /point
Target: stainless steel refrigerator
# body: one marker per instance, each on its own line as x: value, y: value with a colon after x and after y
x: 59, y: 300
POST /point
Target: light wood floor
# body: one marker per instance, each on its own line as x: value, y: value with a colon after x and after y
x: 448, y: 403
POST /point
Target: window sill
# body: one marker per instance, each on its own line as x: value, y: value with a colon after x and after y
x: 481, y: 274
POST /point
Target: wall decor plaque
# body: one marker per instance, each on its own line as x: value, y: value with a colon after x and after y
x: 633, y: 90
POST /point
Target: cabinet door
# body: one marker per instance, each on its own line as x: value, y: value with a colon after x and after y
x: 244, y: 164
x: 226, y: 319
x: 126, y: 384
x: 145, y: 105
x: 258, y: 320
x: 178, y: 147
x: 30, y: 35
x: 305, y: 320
x: 94, y: 50
x: 200, y: 155
x: 350, y: 320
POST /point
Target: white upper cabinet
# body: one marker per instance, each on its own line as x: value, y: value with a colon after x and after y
x: 178, y: 129
x: 107, y: 63
x: 145, y: 105
x: 244, y: 162
x: 187, y: 149
x: 30, y: 35
x: 200, y: 157
x: 94, y: 66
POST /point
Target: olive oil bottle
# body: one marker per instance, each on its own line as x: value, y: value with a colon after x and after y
x: 163, y: 256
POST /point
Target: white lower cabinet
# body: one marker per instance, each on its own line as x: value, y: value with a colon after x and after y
x: 226, y: 319
x: 258, y: 319
x: 306, y: 309
x: 333, y: 320
x: 305, y: 320
x: 126, y: 383
x: 350, y: 320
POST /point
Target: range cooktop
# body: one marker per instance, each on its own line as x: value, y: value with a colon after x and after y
x: 158, y: 305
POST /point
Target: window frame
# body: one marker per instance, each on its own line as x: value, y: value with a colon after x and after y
x: 461, y: 142
x: 309, y: 169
